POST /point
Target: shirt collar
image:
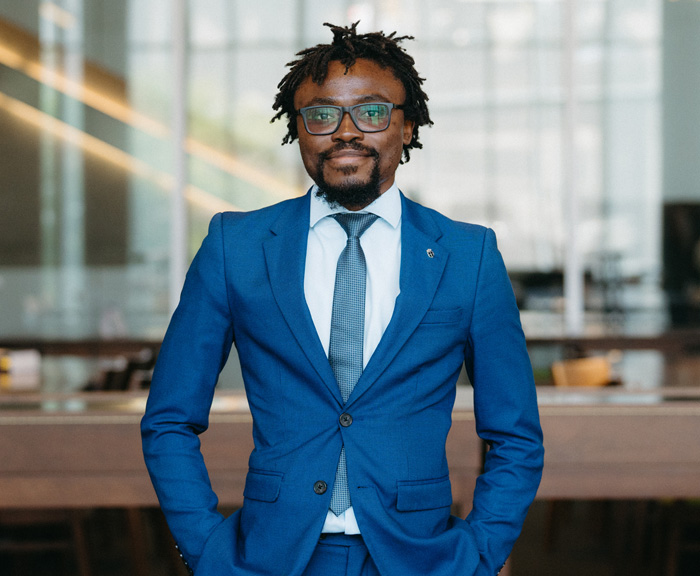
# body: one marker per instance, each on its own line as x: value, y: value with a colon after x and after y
x: 387, y: 207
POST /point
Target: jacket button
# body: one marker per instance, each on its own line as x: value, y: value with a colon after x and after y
x: 320, y: 487
x: 345, y: 419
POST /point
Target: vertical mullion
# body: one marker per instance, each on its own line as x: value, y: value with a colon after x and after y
x: 573, y: 271
x: 178, y: 206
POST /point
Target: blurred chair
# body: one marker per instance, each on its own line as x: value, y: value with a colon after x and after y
x: 595, y: 371
x: 122, y: 373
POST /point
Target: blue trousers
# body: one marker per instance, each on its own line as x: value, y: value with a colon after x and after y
x: 341, y: 555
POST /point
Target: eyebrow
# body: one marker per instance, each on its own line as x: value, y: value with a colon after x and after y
x: 334, y: 101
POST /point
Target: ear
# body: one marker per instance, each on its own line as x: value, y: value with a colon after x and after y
x: 408, y: 126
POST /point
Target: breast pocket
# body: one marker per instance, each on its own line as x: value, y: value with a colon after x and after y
x: 449, y: 316
x: 416, y: 495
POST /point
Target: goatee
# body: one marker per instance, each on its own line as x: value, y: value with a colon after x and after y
x: 352, y: 193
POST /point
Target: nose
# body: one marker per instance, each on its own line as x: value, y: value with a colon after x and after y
x: 347, y: 131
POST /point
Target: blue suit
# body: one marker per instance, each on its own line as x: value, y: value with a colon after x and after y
x: 246, y: 285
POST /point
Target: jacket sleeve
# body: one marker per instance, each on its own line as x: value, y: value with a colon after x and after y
x: 505, y: 409
x: 194, y: 351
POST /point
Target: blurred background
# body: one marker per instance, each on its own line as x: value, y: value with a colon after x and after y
x: 533, y: 113
x: 571, y: 127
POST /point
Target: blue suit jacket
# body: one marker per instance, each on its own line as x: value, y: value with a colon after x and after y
x: 246, y: 286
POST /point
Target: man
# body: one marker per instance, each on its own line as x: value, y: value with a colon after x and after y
x: 353, y: 310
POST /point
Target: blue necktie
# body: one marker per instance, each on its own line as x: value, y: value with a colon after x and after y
x: 347, y: 330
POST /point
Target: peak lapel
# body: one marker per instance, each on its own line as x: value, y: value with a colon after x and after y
x: 285, y: 256
x: 422, y: 265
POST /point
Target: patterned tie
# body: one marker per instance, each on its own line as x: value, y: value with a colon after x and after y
x: 347, y: 330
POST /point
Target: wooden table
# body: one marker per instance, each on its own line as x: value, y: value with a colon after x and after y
x: 84, y: 450
x: 78, y: 451
x: 615, y: 444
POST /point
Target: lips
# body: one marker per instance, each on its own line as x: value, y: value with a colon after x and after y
x: 345, y: 154
x: 347, y: 159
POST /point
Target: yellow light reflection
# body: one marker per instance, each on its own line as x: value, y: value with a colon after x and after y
x: 98, y: 100
x: 196, y: 196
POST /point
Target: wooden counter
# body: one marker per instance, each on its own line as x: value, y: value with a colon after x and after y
x: 615, y: 444
x: 84, y: 450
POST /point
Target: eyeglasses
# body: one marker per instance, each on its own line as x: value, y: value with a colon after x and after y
x: 367, y: 117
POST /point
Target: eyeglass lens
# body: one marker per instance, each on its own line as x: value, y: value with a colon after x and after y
x: 367, y: 117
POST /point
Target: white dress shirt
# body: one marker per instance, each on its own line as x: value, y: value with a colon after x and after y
x: 381, y: 244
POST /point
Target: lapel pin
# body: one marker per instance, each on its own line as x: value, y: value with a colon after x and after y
x: 430, y: 253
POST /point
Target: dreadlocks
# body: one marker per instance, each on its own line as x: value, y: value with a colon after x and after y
x: 348, y: 46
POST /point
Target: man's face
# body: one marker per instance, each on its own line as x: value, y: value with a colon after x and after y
x: 352, y: 167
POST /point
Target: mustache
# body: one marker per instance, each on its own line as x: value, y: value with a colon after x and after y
x: 348, y: 146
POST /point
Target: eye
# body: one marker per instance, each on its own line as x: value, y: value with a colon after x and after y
x: 372, y: 113
x: 322, y: 114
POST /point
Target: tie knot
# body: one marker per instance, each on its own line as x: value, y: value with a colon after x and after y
x: 355, y: 224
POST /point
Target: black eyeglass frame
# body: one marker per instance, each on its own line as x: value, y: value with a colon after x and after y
x: 349, y: 110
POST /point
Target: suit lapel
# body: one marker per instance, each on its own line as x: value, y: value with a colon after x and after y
x: 420, y: 276
x: 285, y: 256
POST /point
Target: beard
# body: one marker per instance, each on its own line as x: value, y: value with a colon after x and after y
x: 352, y: 192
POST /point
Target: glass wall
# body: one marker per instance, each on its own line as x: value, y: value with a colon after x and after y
x: 88, y: 167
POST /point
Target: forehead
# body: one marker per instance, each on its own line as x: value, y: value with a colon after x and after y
x: 365, y: 80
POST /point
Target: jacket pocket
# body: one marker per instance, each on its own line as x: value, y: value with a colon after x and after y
x: 415, y: 495
x: 263, y: 486
x: 442, y: 316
